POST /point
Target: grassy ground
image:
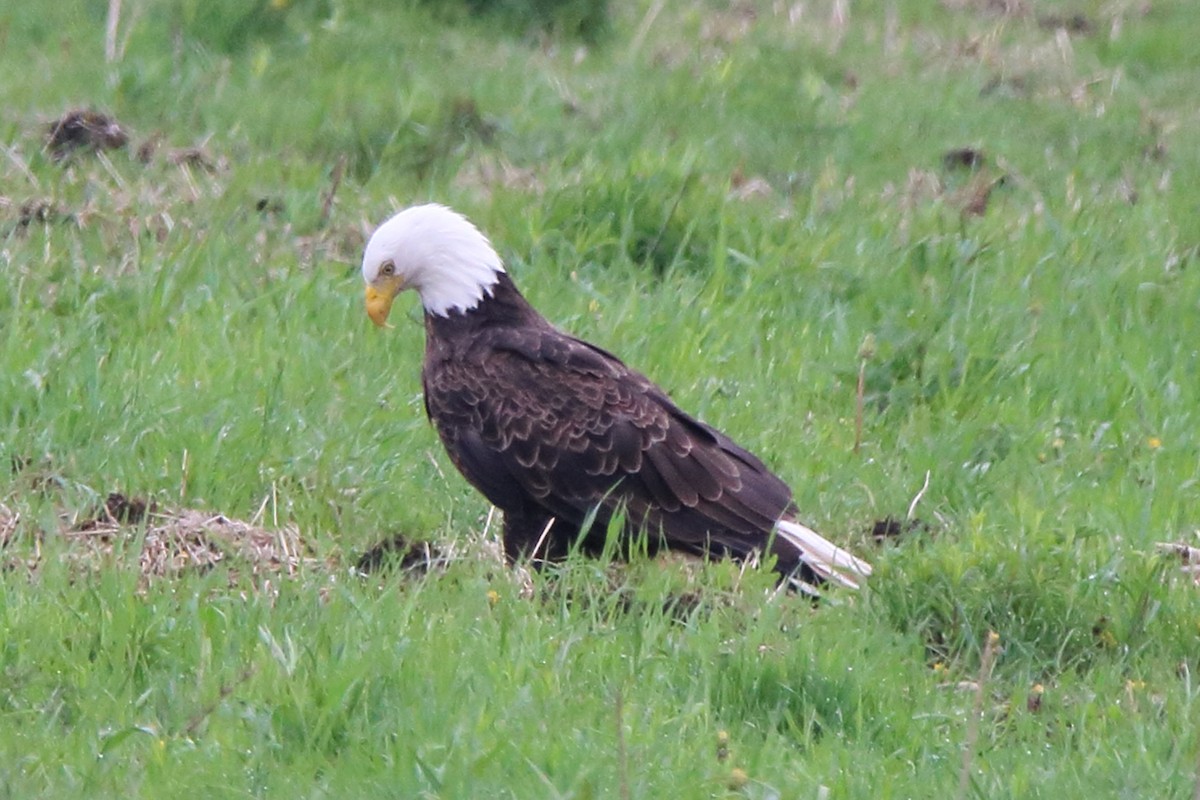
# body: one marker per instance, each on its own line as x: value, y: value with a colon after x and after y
x: 733, y: 197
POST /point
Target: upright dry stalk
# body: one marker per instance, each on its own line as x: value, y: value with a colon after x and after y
x: 639, y: 37
x: 110, y: 30
x: 865, y: 352
x: 985, y: 669
x: 858, y: 406
x: 335, y: 180
x: 912, y: 507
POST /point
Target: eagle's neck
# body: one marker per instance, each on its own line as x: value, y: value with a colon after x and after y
x: 504, y: 306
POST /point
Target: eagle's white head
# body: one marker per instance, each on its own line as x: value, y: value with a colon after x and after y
x: 437, y: 252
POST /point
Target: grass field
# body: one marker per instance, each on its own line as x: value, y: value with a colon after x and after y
x: 1001, y: 199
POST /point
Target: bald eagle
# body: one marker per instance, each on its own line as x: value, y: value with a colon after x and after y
x: 560, y: 435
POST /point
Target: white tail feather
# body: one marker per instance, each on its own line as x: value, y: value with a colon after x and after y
x: 824, y: 557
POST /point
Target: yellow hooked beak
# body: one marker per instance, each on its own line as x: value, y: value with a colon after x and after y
x: 379, y: 300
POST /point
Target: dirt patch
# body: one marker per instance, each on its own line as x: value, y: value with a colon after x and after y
x: 748, y: 187
x: 400, y: 553
x: 464, y: 117
x: 117, y: 509
x: 37, y: 211
x: 195, y: 157
x: 973, y: 199
x: 83, y: 130
x: 967, y: 182
x: 972, y: 196
x: 1077, y: 23
x: 963, y: 158
x: 891, y: 529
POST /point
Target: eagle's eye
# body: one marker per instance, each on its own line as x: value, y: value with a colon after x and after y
x: 388, y: 268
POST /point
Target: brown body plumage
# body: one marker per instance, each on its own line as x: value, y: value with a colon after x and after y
x: 560, y: 435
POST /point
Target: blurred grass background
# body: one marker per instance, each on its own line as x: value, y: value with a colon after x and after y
x: 730, y: 195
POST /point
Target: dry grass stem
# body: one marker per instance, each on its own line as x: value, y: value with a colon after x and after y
x: 912, y: 507
x: 858, y: 405
x: 335, y: 180
x: 985, y: 670
x: 541, y: 540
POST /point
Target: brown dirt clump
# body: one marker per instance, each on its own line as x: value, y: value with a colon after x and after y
x: 963, y: 158
x: 83, y: 130
x: 892, y: 529
x: 118, y: 510
x: 195, y: 157
x: 401, y: 553
x: 1075, y: 23
x: 37, y: 211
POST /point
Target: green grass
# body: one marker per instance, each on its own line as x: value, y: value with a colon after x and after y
x: 733, y: 202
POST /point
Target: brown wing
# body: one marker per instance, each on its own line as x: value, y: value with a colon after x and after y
x: 538, y: 420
